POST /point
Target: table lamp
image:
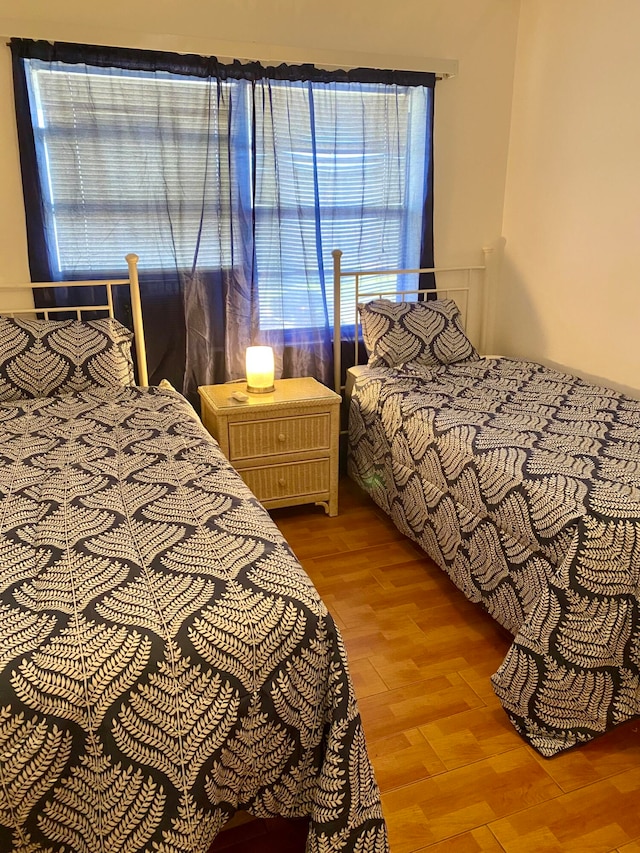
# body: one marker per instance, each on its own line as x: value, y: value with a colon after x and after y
x: 260, y: 370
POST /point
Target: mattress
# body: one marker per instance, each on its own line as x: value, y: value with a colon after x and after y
x: 523, y: 484
x: 165, y: 660
x: 352, y: 374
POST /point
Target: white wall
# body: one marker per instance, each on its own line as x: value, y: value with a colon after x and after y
x: 472, y: 111
x: 571, y: 277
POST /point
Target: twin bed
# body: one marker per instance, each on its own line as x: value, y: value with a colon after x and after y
x: 165, y: 661
x: 522, y: 484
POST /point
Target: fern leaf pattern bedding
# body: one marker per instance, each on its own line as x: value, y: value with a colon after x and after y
x: 164, y: 658
x: 523, y: 484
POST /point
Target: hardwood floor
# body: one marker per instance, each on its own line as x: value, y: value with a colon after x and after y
x: 454, y: 775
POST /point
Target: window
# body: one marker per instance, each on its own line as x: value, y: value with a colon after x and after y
x: 114, y: 149
x: 354, y: 173
x: 224, y: 174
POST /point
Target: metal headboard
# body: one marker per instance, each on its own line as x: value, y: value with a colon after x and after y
x: 463, y: 294
x: 79, y: 310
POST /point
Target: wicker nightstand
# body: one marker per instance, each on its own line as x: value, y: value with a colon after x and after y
x: 284, y: 444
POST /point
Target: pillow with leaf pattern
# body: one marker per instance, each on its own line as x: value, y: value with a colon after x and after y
x: 40, y: 358
x: 425, y: 333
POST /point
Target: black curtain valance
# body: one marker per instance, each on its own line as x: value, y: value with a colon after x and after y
x: 193, y: 65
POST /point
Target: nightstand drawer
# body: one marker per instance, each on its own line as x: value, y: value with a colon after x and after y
x: 273, y: 482
x: 260, y: 438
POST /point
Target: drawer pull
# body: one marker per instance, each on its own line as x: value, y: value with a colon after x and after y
x: 282, y: 481
x: 282, y: 437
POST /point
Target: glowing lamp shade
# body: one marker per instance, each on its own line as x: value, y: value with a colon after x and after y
x: 260, y: 370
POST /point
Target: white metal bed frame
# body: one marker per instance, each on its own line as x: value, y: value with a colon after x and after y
x: 108, y: 284
x: 475, y: 302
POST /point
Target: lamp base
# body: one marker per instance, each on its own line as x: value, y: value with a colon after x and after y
x: 253, y: 390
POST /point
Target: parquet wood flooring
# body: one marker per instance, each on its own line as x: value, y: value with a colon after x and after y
x: 455, y: 777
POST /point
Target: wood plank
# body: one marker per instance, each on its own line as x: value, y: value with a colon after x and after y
x: 596, y: 818
x: 471, y: 736
x: 403, y: 758
x: 479, y: 840
x: 466, y: 798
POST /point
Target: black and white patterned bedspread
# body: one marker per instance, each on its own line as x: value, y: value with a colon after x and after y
x: 523, y: 484
x: 164, y: 660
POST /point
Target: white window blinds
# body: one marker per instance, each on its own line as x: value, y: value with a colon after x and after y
x: 267, y: 177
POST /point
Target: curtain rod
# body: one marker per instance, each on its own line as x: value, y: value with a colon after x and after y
x: 448, y: 67
x: 443, y: 69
